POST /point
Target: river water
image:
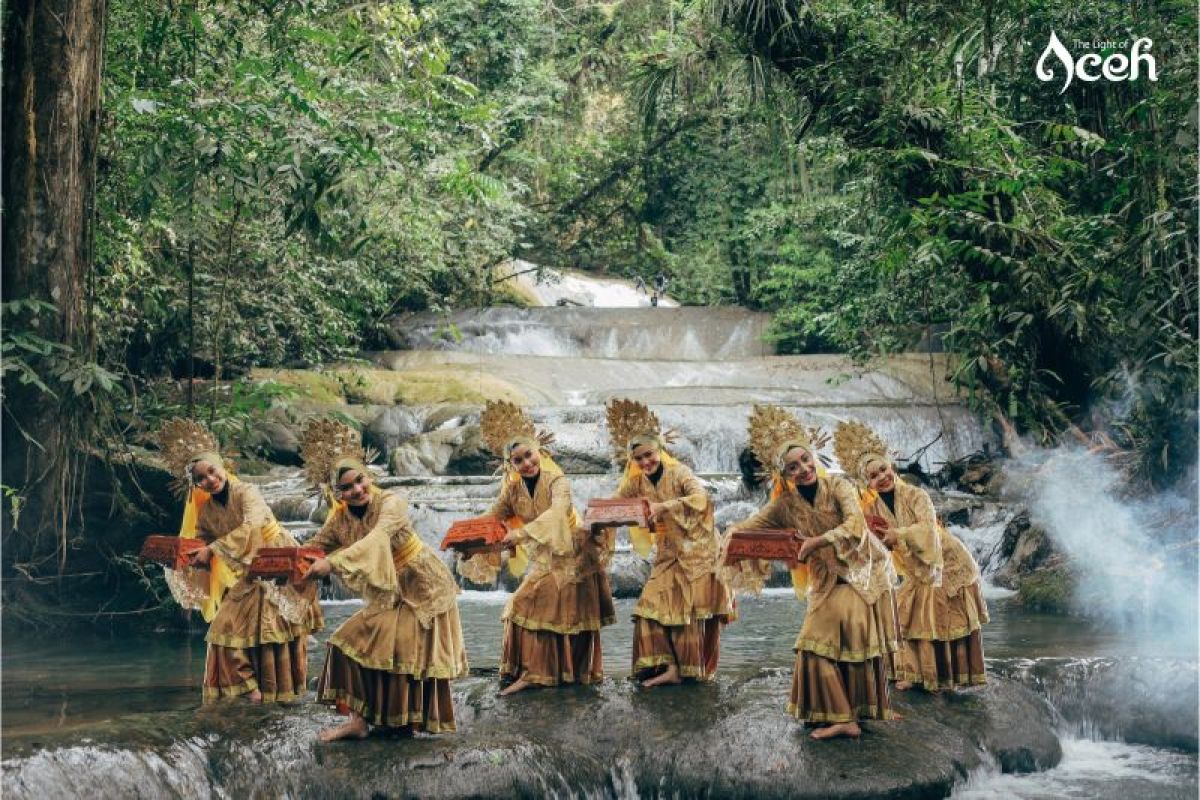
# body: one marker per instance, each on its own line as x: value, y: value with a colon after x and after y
x: 1126, y: 698
x: 53, y: 685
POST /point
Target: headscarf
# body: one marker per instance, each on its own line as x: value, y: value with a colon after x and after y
x: 865, y: 460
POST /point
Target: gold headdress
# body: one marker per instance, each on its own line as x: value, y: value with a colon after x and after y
x: 628, y: 420
x: 855, y: 445
x: 502, y: 423
x: 771, y: 427
x: 323, y: 443
x: 182, y: 442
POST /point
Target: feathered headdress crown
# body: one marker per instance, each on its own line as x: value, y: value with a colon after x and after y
x: 502, y: 421
x: 181, y: 440
x: 772, y: 426
x: 323, y: 443
x: 629, y: 418
x: 854, y: 443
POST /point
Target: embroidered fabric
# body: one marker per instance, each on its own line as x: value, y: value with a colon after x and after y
x: 187, y: 587
x: 292, y: 606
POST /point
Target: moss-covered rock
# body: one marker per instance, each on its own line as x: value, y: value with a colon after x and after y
x: 1049, y: 589
x: 315, y: 385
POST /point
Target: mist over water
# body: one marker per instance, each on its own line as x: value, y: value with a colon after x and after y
x: 1134, y: 555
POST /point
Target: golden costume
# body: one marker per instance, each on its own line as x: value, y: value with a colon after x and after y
x: 940, y: 605
x: 684, y: 604
x: 392, y: 661
x: 849, y: 626
x: 552, y: 622
x: 258, y: 632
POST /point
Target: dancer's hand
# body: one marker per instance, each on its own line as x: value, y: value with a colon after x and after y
x: 318, y: 569
x: 512, y: 538
x: 657, y: 510
x: 811, y: 545
x: 201, y: 557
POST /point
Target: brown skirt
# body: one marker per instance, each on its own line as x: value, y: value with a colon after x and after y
x: 541, y: 603
x: 387, y: 699
x: 828, y: 691
x: 279, y: 671
x: 694, y: 648
x: 938, y: 665
x: 548, y: 658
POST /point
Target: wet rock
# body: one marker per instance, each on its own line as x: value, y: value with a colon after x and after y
x: 471, y: 455
x: 1150, y: 701
x: 628, y: 574
x: 730, y: 738
x: 278, y: 442
x: 1050, y: 588
x: 451, y: 416
x: 1026, y: 548
x: 391, y: 426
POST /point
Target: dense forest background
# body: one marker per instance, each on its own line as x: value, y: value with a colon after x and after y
x: 263, y: 182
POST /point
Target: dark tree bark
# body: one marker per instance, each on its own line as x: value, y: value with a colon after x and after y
x: 53, y: 56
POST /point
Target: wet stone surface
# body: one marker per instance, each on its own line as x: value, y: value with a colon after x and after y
x: 730, y: 738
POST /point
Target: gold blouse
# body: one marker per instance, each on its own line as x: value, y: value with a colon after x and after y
x: 686, y: 531
x: 547, y: 531
x: 380, y: 556
x: 855, y: 555
x: 236, y: 529
x: 926, y: 550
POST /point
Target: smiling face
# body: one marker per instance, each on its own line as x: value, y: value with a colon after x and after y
x: 799, y: 466
x: 647, y: 458
x: 525, y: 460
x: 208, y: 477
x: 353, y: 487
x: 879, y: 475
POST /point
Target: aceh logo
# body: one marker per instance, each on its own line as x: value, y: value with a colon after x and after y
x: 1114, y: 67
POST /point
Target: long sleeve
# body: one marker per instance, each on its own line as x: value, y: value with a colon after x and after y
x: 368, y: 562
x: 552, y: 528
x: 692, y: 508
x: 239, y: 545
x: 850, y: 532
x: 327, y: 538
x: 920, y: 539
x: 502, y: 509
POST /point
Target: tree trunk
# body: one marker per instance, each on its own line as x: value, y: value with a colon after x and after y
x: 53, y: 55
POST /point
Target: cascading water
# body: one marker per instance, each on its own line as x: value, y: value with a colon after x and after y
x: 124, y: 716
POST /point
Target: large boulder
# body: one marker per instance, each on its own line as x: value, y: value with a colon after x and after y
x: 276, y: 441
x: 1141, y: 700
x: 1025, y: 548
x: 391, y: 426
x: 730, y: 738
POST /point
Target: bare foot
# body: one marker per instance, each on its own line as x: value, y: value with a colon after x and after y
x: 671, y: 676
x: 850, y: 729
x: 516, y: 686
x: 902, y: 686
x: 355, y: 728
x: 255, y: 697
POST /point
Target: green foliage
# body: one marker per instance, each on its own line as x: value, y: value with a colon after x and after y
x: 305, y: 168
x: 872, y: 173
x: 1049, y: 237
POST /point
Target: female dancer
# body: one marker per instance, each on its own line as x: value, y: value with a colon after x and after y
x: 684, y: 604
x: 552, y: 622
x: 940, y: 606
x: 849, y: 627
x: 391, y: 663
x: 258, y: 632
